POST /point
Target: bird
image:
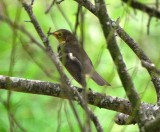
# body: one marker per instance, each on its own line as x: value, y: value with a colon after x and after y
x: 75, y: 59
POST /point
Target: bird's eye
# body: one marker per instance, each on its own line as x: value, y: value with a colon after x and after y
x: 60, y: 35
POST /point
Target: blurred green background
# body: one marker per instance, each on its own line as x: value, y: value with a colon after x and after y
x: 37, y: 113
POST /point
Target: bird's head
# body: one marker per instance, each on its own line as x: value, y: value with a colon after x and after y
x: 62, y: 35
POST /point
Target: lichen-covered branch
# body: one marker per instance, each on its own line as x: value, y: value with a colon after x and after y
x: 152, y: 126
x: 123, y: 119
x: 57, y: 90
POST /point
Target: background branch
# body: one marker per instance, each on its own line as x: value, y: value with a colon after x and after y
x: 142, y: 7
x: 143, y: 57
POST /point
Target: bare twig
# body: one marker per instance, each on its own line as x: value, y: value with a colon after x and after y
x: 30, y: 53
x: 22, y: 29
x: 59, y: 1
x: 80, y: 20
x: 32, y: 2
x: 4, y: 6
x: 12, y: 120
x: 150, y: 66
x: 51, y: 5
x: 142, y: 7
x: 70, y: 124
x: 59, y: 117
x: 65, y: 16
x: 12, y: 116
x: 148, y: 24
x: 11, y: 69
x: 77, y: 19
x: 157, y: 4
x: 88, y: 5
x: 82, y: 27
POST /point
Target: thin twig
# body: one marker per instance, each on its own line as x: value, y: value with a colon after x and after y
x: 59, y: 1
x: 11, y: 69
x: 150, y: 66
x: 82, y: 27
x: 51, y: 5
x: 30, y: 53
x: 70, y: 124
x: 142, y: 7
x: 12, y: 116
x: 59, y: 117
x: 77, y: 19
x: 148, y: 25
x: 22, y: 29
x: 157, y: 4
x: 65, y: 16
x: 32, y: 2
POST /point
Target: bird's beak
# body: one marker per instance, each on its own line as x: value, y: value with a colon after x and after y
x: 53, y: 33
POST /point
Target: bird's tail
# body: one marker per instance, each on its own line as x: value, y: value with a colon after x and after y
x: 98, y: 79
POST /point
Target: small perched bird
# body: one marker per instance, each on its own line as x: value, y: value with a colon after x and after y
x: 75, y: 59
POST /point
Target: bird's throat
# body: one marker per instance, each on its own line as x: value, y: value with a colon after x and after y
x: 62, y: 42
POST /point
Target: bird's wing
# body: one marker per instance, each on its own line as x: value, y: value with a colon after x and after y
x: 70, y: 54
x: 81, y: 56
x: 72, y: 63
x: 74, y: 58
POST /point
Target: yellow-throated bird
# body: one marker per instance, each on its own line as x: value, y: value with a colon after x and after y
x: 75, y: 59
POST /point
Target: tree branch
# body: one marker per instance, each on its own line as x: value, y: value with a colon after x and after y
x: 101, y: 13
x: 88, y: 5
x: 123, y: 119
x: 153, y: 126
x: 142, y: 7
x: 143, y: 58
x: 57, y: 90
x: 116, y: 54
